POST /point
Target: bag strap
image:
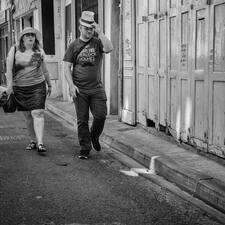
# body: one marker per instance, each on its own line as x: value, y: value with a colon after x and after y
x: 13, y: 70
x: 79, y: 51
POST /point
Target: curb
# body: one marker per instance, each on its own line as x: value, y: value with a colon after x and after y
x: 203, y: 187
x: 206, y: 188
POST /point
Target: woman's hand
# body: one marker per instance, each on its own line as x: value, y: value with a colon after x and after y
x: 9, y: 89
x: 49, y: 90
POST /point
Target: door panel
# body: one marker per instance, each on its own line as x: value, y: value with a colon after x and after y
x: 172, y: 42
x: 185, y: 108
x: 216, y: 106
x: 128, y: 109
x: 184, y: 75
x: 162, y: 65
x: 151, y: 61
x: 199, y: 82
x: 199, y: 112
x: 141, y: 61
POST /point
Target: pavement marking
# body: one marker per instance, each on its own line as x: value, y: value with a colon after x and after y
x: 142, y: 171
x: 38, y: 197
x: 134, y: 172
x: 12, y: 138
x: 129, y: 173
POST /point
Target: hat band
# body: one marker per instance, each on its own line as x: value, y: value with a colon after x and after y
x: 85, y: 21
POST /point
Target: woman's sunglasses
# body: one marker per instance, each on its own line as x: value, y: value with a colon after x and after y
x: 29, y: 35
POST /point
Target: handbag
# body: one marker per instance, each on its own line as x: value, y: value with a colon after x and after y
x: 11, y: 105
x: 3, y: 98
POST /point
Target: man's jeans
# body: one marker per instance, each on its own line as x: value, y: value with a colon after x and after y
x: 96, y: 102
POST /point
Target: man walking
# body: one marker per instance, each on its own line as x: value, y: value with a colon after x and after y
x: 85, y: 55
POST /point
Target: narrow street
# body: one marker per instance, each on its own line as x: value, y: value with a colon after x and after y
x: 59, y: 189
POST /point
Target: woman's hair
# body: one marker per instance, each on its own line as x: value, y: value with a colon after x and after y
x: 36, y: 46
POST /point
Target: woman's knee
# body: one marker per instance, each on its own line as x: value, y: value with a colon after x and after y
x: 37, y: 113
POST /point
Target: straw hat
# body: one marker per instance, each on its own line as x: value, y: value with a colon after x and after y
x: 87, y: 19
x: 27, y: 30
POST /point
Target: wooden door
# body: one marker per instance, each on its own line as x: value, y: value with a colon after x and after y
x: 173, y: 66
x: 128, y: 84
x: 161, y: 81
x: 216, y: 106
x: 184, y: 76
x: 196, y: 116
x: 141, y: 32
x: 151, y: 62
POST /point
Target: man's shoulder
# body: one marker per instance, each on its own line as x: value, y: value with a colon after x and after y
x: 74, y: 43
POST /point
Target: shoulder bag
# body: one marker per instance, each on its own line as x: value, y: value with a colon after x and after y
x: 79, y: 51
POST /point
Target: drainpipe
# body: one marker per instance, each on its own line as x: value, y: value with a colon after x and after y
x: 120, y: 71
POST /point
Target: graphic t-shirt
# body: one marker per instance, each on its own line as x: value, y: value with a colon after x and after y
x: 87, y: 64
x: 28, y: 70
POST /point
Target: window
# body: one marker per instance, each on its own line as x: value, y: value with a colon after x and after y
x: 85, y: 5
x: 48, y: 32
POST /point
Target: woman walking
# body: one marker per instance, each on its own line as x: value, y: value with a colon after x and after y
x: 27, y: 77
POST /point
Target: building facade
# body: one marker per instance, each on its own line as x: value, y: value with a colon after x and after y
x: 167, y: 69
x: 173, y: 69
x: 4, y: 39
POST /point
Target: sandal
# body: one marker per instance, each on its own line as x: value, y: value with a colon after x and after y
x: 41, y: 148
x: 31, y: 146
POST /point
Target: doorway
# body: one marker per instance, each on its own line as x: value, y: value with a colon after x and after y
x: 85, y: 5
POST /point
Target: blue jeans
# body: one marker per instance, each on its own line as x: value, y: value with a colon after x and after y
x: 96, y: 103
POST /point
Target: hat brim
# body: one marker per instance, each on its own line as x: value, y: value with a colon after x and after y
x: 90, y: 25
x: 30, y: 30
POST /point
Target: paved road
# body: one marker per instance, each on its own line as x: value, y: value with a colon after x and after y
x: 60, y: 189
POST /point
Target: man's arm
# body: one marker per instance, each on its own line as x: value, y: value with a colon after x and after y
x: 107, y: 44
x: 73, y: 89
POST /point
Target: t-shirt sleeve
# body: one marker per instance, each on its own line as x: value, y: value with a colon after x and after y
x: 68, y: 57
x: 43, y: 55
x: 100, y: 45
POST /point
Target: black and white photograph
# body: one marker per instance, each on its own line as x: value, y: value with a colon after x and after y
x: 112, y: 112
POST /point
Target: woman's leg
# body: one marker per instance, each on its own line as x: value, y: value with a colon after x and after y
x: 38, y: 119
x: 30, y: 125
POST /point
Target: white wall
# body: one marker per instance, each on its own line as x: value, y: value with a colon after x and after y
x: 108, y: 6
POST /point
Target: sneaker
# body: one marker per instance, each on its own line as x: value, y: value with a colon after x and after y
x: 95, y: 143
x: 83, y: 154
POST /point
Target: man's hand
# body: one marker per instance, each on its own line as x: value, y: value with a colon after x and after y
x: 97, y: 28
x: 73, y: 90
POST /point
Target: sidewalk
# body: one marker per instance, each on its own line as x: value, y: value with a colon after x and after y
x: 202, y: 177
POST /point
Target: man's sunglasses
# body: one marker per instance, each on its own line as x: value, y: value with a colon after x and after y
x: 88, y: 28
